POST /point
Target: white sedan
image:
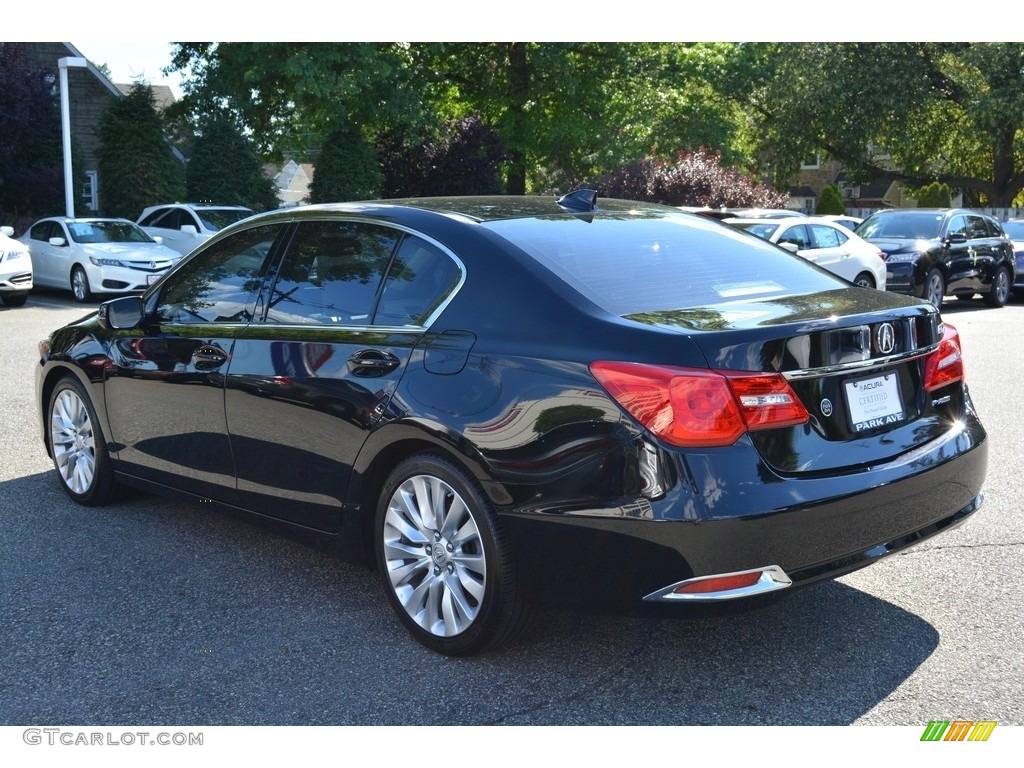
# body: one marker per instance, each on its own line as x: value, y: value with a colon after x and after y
x: 15, y: 270
x: 90, y: 256
x: 825, y: 243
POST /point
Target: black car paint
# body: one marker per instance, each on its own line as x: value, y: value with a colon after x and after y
x: 587, y: 496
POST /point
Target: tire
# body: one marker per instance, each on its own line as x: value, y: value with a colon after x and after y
x: 864, y: 280
x: 14, y: 299
x: 80, y: 285
x: 448, y: 573
x: 999, y: 293
x: 78, y: 447
x: 934, y: 288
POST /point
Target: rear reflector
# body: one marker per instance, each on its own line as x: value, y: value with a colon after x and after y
x: 691, y: 407
x: 945, y: 365
x: 724, y: 586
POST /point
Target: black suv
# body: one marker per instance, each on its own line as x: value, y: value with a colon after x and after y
x: 933, y: 253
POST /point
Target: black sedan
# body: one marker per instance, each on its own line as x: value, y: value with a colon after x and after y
x: 933, y: 253
x: 1014, y: 229
x: 495, y: 400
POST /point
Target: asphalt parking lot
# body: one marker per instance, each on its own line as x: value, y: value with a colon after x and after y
x: 154, y: 611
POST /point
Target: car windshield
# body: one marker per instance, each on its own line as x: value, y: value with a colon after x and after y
x: 912, y: 225
x: 215, y: 219
x: 1014, y: 229
x: 636, y: 263
x: 107, y: 232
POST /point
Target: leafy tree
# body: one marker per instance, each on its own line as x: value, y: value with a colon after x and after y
x: 562, y: 111
x: 465, y: 159
x: 135, y: 162
x: 911, y: 112
x: 31, y: 160
x: 934, y: 195
x: 692, y: 178
x: 224, y: 168
x: 347, y: 168
x: 830, y: 203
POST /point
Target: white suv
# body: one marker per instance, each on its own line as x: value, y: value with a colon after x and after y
x: 15, y: 270
x: 183, y: 226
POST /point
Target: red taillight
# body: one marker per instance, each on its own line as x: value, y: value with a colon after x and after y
x: 719, y: 584
x: 700, y: 408
x: 945, y: 365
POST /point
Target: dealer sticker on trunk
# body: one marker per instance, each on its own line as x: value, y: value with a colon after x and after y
x: 874, y: 402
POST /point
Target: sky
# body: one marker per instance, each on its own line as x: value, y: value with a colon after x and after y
x: 132, y: 60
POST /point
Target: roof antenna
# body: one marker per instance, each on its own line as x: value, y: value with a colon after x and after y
x: 583, y: 200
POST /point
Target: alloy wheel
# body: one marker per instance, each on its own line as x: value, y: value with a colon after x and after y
x: 73, y: 441
x: 434, y: 555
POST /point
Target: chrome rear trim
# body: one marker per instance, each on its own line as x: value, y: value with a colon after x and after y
x: 859, y: 365
x: 773, y: 578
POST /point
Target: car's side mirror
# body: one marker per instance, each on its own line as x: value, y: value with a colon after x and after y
x: 59, y: 242
x: 122, y: 314
x: 956, y: 238
x: 158, y: 239
x: 791, y: 247
x: 189, y: 229
x: 9, y: 231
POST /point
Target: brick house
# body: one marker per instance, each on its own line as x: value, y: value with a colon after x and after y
x: 89, y: 94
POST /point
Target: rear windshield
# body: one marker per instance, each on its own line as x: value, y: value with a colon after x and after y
x: 1015, y: 229
x: 651, y: 262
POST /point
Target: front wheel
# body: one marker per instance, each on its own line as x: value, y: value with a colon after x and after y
x: 999, y: 293
x: 78, y: 447
x: 13, y: 299
x: 80, y: 285
x: 934, y: 288
x: 447, y: 570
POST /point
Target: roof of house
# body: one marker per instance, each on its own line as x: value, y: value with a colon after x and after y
x: 163, y: 96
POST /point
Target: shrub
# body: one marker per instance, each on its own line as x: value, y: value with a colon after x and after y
x: 934, y: 195
x: 692, y: 178
x: 224, y: 168
x: 347, y: 168
x: 830, y: 203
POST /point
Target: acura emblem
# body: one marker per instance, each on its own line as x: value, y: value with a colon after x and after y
x: 885, y: 338
x: 152, y: 265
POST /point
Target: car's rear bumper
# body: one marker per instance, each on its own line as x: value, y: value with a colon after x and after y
x: 811, y: 528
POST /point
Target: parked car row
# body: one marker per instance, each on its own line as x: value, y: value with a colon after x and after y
x: 825, y: 243
x: 94, y: 255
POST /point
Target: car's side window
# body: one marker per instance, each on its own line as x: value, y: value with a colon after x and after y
x: 43, y: 231
x: 151, y: 219
x: 957, y: 225
x: 219, y: 285
x: 420, y: 278
x: 331, y: 274
x: 827, y: 237
x: 976, y: 228
x: 797, y: 236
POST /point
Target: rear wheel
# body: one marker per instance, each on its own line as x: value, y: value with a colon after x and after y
x: 864, y: 280
x: 80, y: 285
x: 934, y: 288
x: 447, y: 571
x: 999, y: 293
x: 78, y: 446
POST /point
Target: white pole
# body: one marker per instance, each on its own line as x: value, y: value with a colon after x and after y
x: 65, y: 126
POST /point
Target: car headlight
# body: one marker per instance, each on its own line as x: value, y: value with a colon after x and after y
x: 12, y: 255
x: 105, y: 262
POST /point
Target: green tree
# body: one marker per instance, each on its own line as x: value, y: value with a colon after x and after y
x: 911, y: 112
x: 347, y: 168
x: 224, y: 168
x: 934, y: 195
x: 136, y: 164
x: 830, y: 203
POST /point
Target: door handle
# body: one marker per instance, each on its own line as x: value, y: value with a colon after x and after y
x: 206, y: 357
x: 372, y: 362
